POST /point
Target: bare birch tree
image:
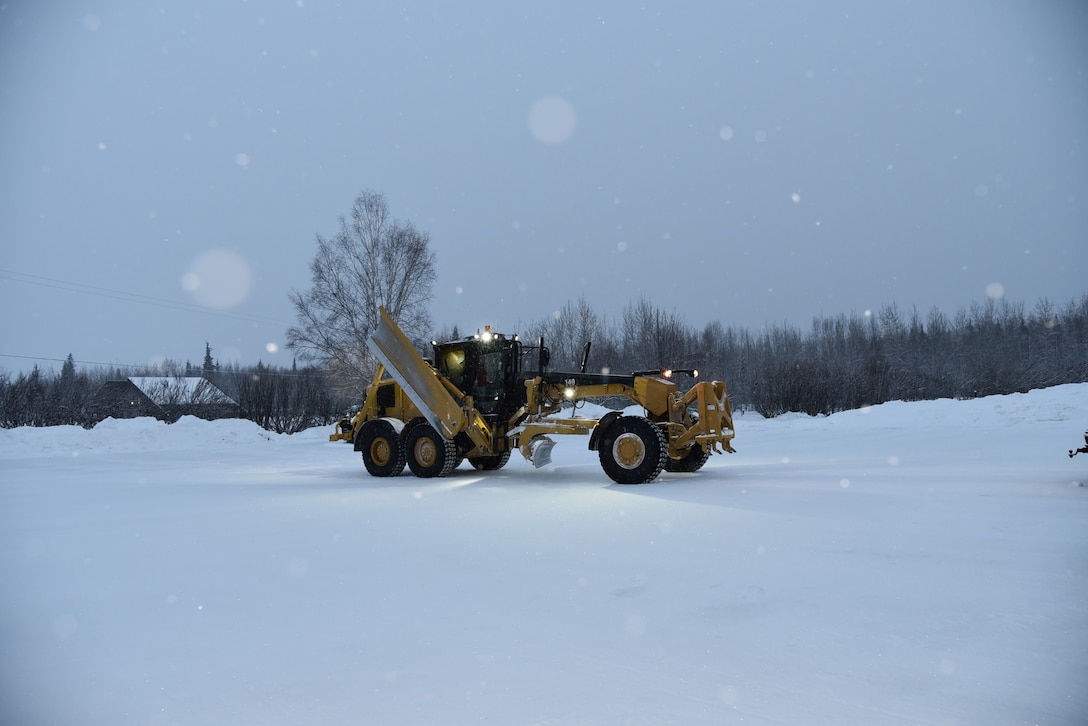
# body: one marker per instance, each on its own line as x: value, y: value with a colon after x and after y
x: 374, y: 260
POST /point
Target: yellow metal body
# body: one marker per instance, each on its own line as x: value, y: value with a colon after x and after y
x: 406, y: 387
x: 711, y: 426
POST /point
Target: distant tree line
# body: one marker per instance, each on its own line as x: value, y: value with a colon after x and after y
x: 839, y: 363
x: 842, y: 362
x: 284, y: 400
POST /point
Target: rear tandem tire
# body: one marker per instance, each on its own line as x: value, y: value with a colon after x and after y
x: 429, y: 455
x: 380, y: 444
x: 632, y: 450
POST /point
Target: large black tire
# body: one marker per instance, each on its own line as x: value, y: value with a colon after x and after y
x: 379, y: 442
x: 692, y: 460
x: 632, y: 450
x: 429, y: 455
x: 489, y: 463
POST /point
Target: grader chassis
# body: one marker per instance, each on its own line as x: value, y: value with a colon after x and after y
x: 482, y: 398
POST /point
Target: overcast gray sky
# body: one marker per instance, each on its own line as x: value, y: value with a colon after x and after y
x: 167, y: 165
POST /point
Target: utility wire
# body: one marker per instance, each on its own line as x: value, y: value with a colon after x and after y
x: 80, y: 287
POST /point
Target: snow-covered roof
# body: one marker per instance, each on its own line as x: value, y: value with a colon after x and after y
x: 165, y: 390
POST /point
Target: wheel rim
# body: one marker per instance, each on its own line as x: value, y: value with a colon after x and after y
x: 628, y: 450
x: 426, y: 452
x: 381, y: 452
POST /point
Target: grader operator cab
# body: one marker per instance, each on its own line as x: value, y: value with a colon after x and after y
x: 485, y: 395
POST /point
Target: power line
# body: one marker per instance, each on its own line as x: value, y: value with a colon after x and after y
x: 105, y: 292
x: 81, y: 362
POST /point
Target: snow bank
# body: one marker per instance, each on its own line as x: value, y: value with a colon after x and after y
x: 133, y: 434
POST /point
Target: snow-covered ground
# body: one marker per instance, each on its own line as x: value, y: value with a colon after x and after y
x: 921, y: 563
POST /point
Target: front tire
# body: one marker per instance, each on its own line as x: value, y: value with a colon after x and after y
x: 632, y: 450
x: 429, y: 455
x: 380, y: 444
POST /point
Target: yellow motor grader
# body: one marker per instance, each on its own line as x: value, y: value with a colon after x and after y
x: 485, y: 395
